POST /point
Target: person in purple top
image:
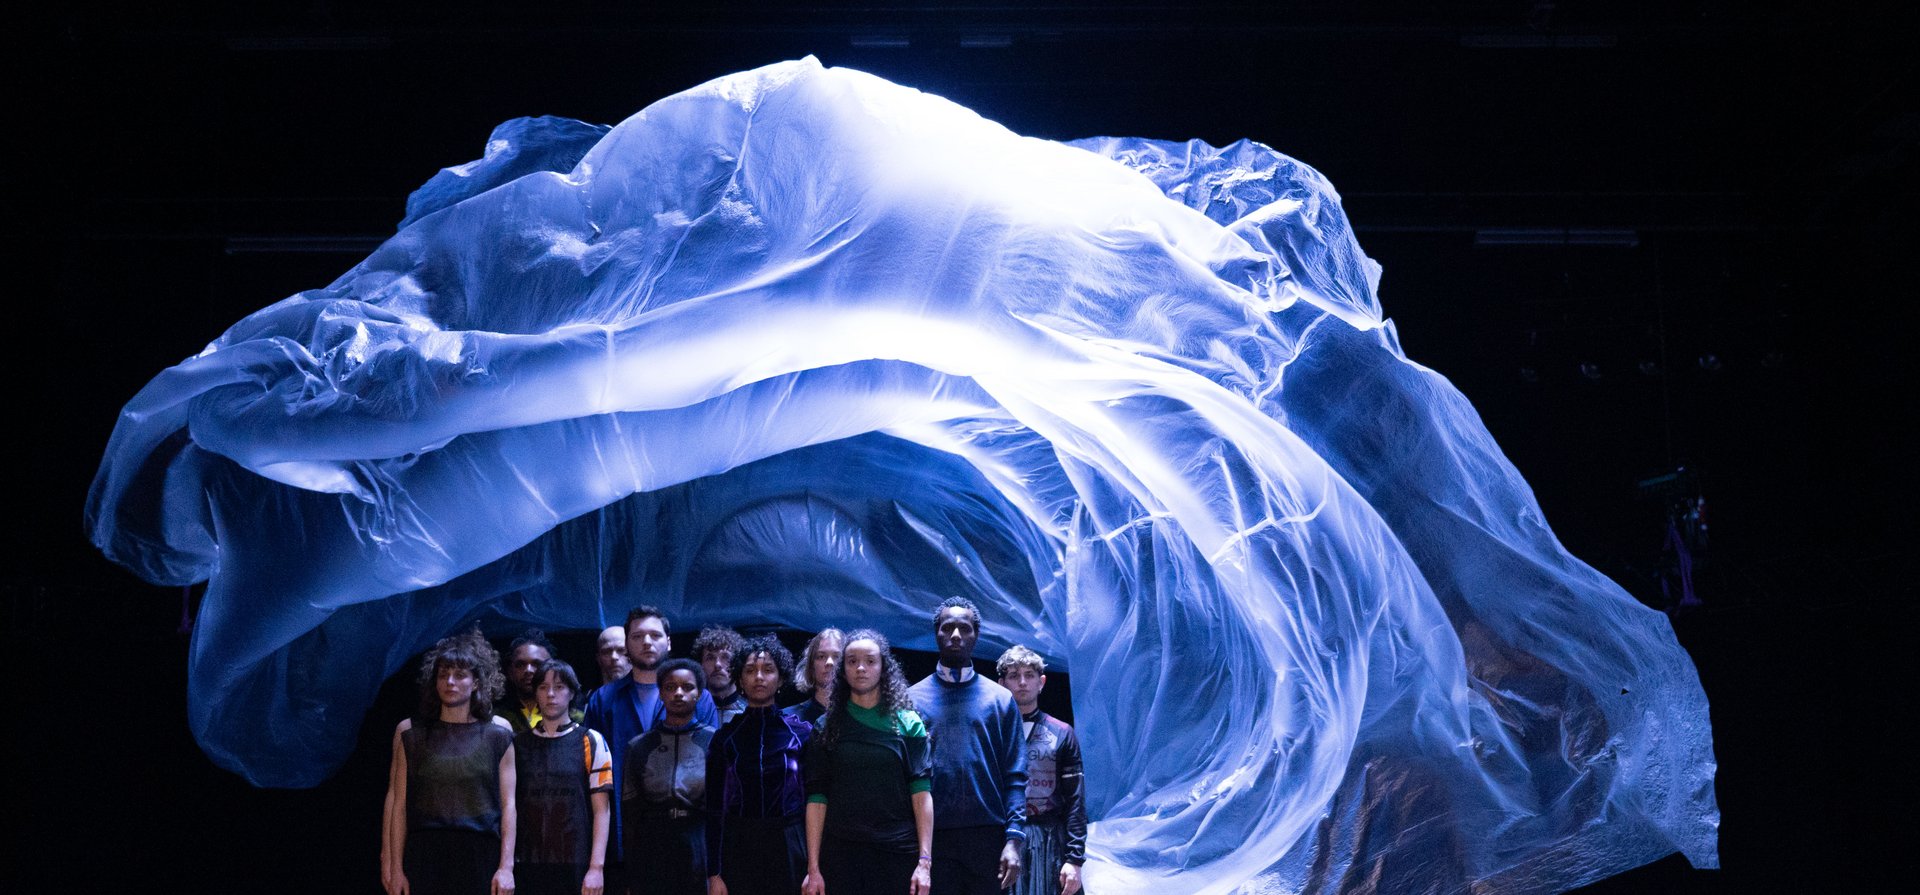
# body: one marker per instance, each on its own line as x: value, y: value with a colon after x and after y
x: 979, y: 763
x: 629, y: 707
x: 756, y: 796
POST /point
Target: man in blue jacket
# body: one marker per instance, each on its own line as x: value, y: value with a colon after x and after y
x: 623, y: 710
x: 979, y: 763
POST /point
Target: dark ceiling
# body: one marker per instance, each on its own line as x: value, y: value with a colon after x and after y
x: 1716, y: 191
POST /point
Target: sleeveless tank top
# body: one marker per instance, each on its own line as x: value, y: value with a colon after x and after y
x: 453, y: 775
x: 556, y: 817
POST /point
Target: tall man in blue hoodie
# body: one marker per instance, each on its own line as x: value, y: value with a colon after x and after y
x: 979, y: 763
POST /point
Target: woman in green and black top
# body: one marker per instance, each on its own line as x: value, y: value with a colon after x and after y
x: 869, y: 776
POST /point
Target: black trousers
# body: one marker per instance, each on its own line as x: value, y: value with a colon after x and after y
x: 966, y: 860
x: 450, y: 862
x: 862, y: 868
x: 548, y: 879
x: 666, y: 856
x: 763, y: 857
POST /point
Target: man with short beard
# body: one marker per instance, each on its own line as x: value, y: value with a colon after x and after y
x: 979, y: 763
x: 714, y: 649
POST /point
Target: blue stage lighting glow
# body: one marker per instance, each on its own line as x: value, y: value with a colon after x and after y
x: 801, y: 346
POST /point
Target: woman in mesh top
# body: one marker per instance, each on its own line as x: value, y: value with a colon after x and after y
x: 449, y: 819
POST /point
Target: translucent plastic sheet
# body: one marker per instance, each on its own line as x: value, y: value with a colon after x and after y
x: 806, y: 347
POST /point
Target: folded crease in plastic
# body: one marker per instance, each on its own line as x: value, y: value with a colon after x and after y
x: 803, y: 347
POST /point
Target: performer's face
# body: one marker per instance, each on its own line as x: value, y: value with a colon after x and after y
x: 719, y: 667
x: 956, y: 635
x: 759, y: 679
x: 553, y: 696
x: 453, y: 684
x: 1025, y: 683
x: 825, y: 661
x: 612, y: 654
x: 679, y: 693
x: 863, y: 666
x: 647, y: 642
x: 525, y: 668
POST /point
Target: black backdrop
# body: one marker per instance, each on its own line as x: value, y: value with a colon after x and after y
x: 180, y: 166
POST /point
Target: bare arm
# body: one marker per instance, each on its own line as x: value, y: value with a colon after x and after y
x: 922, y: 880
x: 816, y: 825
x: 595, y: 881
x: 509, y: 814
x: 393, y: 819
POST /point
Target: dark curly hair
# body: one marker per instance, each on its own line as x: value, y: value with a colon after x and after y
x: 714, y: 637
x: 472, y: 652
x: 773, y: 648
x: 894, y: 697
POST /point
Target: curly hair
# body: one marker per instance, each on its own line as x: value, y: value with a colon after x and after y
x: 804, y: 683
x: 894, y: 697
x: 956, y: 602
x: 772, y: 648
x: 472, y: 652
x: 716, y: 637
x: 1018, y: 656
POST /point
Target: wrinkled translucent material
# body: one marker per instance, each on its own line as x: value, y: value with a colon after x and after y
x: 805, y: 347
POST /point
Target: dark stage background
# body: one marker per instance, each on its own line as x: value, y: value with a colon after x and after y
x: 1737, y: 178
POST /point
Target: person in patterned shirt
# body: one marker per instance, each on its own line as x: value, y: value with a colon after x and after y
x: 565, y: 780
x: 1056, y: 803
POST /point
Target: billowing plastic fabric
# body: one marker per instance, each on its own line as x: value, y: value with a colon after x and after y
x: 803, y: 347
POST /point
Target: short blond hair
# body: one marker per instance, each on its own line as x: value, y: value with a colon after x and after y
x: 1018, y: 656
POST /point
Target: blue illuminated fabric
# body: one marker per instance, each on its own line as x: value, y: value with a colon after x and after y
x: 801, y: 346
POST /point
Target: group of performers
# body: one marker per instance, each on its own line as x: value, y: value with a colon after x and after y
x: 683, y: 777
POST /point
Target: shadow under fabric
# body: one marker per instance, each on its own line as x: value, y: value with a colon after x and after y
x: 807, y: 347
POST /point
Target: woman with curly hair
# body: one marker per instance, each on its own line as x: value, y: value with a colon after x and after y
x: 756, y: 796
x: 449, y: 820
x: 872, y: 765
